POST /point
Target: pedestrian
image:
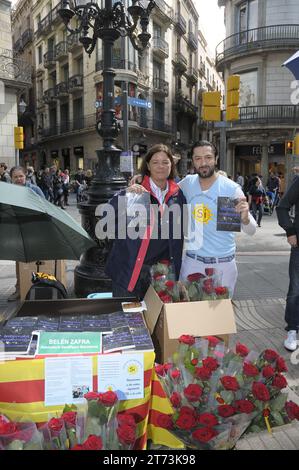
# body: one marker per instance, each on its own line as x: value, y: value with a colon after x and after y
x: 58, y: 189
x: 291, y: 226
x: 66, y: 187
x: 134, y: 257
x: 240, y: 180
x: 18, y: 176
x: 256, y: 197
x: 4, y: 175
x: 201, y: 190
x: 30, y: 176
x: 273, y: 184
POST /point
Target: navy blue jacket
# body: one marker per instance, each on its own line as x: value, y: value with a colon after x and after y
x: 127, y: 256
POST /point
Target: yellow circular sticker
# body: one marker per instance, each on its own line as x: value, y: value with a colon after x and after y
x: 132, y: 369
x: 202, y: 213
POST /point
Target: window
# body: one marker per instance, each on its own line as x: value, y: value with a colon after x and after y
x: 157, y: 70
x: 248, y: 20
x: 248, y: 88
x: 157, y: 31
x: 40, y: 54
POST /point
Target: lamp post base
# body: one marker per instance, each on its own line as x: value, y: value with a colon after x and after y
x: 89, y: 275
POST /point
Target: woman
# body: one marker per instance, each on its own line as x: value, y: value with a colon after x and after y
x: 134, y: 257
x: 18, y: 176
x: 256, y: 197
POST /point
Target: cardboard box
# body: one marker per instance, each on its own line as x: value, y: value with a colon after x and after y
x: 26, y: 269
x: 167, y: 322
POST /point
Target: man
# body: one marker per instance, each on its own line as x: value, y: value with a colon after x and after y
x: 217, y: 248
x: 289, y: 199
x: 273, y: 184
x: 4, y: 176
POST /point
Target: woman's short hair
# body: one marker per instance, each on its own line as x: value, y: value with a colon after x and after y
x: 17, y: 168
x: 147, y: 158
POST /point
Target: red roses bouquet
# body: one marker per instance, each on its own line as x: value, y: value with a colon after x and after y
x: 217, y: 394
x: 54, y: 435
x: 19, y: 436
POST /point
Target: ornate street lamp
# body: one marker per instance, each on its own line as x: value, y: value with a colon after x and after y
x: 108, y: 24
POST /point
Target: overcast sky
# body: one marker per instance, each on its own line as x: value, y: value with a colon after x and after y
x: 211, y: 22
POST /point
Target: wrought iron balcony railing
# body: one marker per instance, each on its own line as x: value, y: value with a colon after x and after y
x: 156, y: 124
x: 266, y: 37
x: 18, y: 46
x: 180, y: 23
x: 27, y: 37
x: 61, y: 50
x: 44, y: 26
x: 76, y: 83
x: 160, y: 86
x: 269, y: 114
x: 14, y: 69
x: 73, y: 41
x: 79, y: 123
x: 49, y: 58
x: 118, y: 64
x: 49, y: 95
x: 160, y: 46
x: 192, y: 41
x: 61, y: 89
x: 164, y: 11
x: 192, y: 74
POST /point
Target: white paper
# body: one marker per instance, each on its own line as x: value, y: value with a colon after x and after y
x: 122, y: 373
x: 67, y: 379
x: 133, y: 309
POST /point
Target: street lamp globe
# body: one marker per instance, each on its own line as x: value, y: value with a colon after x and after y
x: 22, y: 106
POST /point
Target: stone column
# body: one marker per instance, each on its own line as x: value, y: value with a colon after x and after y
x: 230, y: 155
x: 265, y: 164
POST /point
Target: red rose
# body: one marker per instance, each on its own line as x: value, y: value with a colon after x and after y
x: 92, y: 396
x: 208, y: 419
x: 170, y: 284
x: 160, y: 370
x: 55, y: 425
x: 175, y: 374
x: 260, y: 391
x: 193, y: 392
x: 270, y: 355
x: 187, y: 339
x: 185, y: 421
x: 210, y: 363
x: 78, y: 447
x: 7, y: 427
x: 213, y: 341
x: 250, y: 370
x: 166, y: 299
x: 292, y: 410
x: 93, y: 443
x: 281, y: 365
x: 242, y: 350
x: 167, y: 366
x: 204, y: 434
x: 70, y: 418
x: 244, y: 406
x: 266, y: 413
x: 226, y: 410
x: 195, y: 277
x: 194, y: 362
x: 165, y: 261
x: 221, y: 290
x: 230, y: 383
x: 24, y: 435
x: 127, y: 419
x: 210, y: 271
x: 165, y: 421
x: 268, y: 372
x: 108, y: 398
x: 203, y: 373
x: 279, y: 382
x: 188, y: 411
x: 126, y: 434
x: 208, y: 290
x: 175, y: 399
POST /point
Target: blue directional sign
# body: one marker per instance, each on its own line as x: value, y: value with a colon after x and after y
x: 139, y: 102
x: 99, y: 103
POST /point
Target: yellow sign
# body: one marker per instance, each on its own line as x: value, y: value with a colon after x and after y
x: 202, y: 213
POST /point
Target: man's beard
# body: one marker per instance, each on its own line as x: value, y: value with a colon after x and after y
x: 208, y: 173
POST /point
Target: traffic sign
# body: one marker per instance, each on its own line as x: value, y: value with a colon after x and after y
x: 139, y: 102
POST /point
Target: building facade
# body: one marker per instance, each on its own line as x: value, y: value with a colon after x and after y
x: 15, y: 77
x: 260, y: 36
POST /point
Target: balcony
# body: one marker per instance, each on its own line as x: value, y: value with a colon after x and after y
x: 252, y: 41
x: 160, y: 125
x: 18, y: 46
x: 73, y: 42
x: 49, y: 59
x: 117, y: 64
x: 44, y: 26
x: 160, y: 48
x: 79, y: 123
x: 180, y: 24
x: 202, y: 70
x: 49, y: 96
x: 55, y: 17
x: 164, y: 12
x: 61, y: 51
x: 192, y: 75
x: 62, y: 90
x: 269, y: 115
x: 14, y: 70
x: 180, y: 62
x: 160, y: 86
x: 154, y: 124
x: 27, y: 37
x: 192, y: 41
x: 182, y: 105
x: 76, y: 83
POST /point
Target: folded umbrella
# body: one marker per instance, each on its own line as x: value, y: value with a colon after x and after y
x: 31, y: 228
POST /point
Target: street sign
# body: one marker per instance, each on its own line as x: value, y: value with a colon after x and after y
x: 99, y: 103
x: 139, y: 102
x: 126, y: 162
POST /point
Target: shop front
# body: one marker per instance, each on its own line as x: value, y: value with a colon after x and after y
x: 248, y: 159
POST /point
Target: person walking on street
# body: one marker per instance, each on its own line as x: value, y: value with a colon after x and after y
x: 291, y: 226
x: 4, y: 175
x: 240, y: 180
x: 256, y: 196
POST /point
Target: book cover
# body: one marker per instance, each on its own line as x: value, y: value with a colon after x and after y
x: 228, y: 220
x: 120, y: 339
x: 96, y: 323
